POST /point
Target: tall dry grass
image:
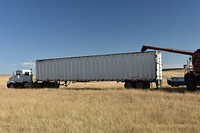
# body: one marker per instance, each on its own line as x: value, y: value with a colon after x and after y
x: 97, y: 108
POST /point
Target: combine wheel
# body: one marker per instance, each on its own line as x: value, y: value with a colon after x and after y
x: 190, y: 80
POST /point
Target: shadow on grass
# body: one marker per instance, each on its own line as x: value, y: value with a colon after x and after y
x: 68, y: 88
x: 180, y: 90
x: 82, y: 89
x: 175, y: 90
x: 91, y: 88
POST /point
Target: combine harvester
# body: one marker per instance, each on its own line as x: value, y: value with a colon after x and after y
x: 191, y: 77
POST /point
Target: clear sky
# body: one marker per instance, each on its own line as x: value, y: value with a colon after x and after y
x: 40, y: 29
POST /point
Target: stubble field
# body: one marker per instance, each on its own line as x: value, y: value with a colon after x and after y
x: 99, y: 107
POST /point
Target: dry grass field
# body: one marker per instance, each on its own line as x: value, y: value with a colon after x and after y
x: 99, y: 108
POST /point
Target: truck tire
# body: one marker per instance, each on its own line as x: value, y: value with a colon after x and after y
x: 28, y: 85
x: 11, y: 86
x: 128, y: 85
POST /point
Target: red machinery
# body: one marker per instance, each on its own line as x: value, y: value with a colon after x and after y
x: 192, y: 78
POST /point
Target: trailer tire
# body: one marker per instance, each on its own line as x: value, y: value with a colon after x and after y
x: 128, y: 85
x: 147, y: 85
x: 140, y: 85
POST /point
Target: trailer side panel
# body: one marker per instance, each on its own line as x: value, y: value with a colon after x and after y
x: 114, y: 67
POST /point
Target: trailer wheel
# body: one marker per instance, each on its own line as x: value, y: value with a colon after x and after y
x: 140, y: 85
x: 147, y: 85
x: 128, y: 85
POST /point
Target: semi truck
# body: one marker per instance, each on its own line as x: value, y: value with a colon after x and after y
x: 135, y: 69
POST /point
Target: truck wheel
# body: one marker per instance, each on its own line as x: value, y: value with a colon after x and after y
x: 11, y: 86
x: 28, y: 85
x: 128, y: 85
x: 140, y: 85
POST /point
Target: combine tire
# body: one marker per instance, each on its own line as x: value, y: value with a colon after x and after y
x: 190, y: 80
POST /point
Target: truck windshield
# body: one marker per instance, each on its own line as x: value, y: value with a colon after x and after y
x: 18, y: 72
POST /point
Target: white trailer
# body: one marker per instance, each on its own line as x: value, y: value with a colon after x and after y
x: 136, y: 69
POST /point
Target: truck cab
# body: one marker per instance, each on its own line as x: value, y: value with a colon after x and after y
x: 20, y: 78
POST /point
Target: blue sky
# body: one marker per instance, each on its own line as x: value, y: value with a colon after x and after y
x: 38, y: 29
